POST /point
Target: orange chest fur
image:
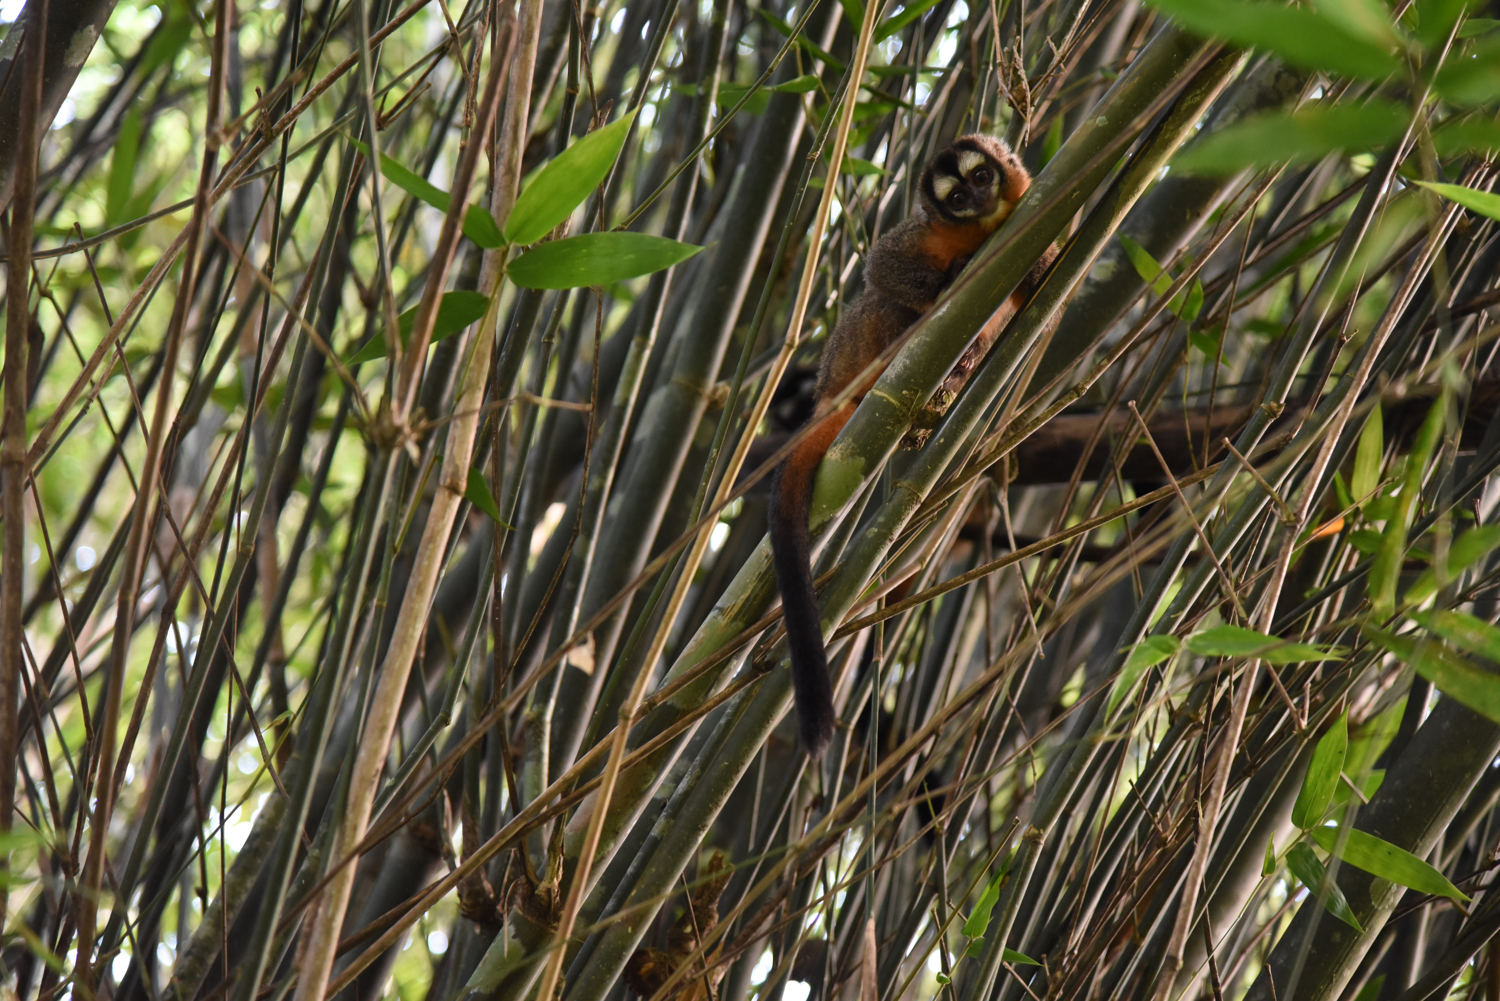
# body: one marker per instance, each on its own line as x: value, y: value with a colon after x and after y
x: 944, y: 243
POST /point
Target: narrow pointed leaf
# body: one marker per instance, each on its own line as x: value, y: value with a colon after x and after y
x: 1013, y: 957
x: 1305, y: 866
x: 979, y: 921
x: 1467, y: 549
x: 479, y: 226
x: 1483, y: 202
x: 1381, y: 858
x: 455, y: 312
x: 909, y: 13
x: 1322, y: 779
x: 562, y: 185
x: 477, y: 492
x: 1367, y: 457
x: 1294, y: 137
x: 1302, y: 37
x: 596, y: 259
x: 1450, y: 674
x: 1471, y: 78
x: 1147, y: 653
x: 1237, y: 641
x: 1463, y: 630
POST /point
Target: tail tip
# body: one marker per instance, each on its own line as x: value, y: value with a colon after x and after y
x: 815, y: 726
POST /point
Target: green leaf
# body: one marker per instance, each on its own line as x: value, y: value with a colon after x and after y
x: 1367, y: 456
x: 943, y: 981
x: 1268, y: 864
x: 861, y: 168
x: 168, y: 43
x: 1237, y: 641
x: 1322, y: 779
x: 1471, y: 78
x: 908, y: 14
x: 1371, y: 990
x: 1013, y: 957
x: 1151, y: 272
x: 1467, y: 549
x: 1294, y: 137
x: 803, y: 41
x: 1147, y: 653
x: 1381, y: 858
x: 1365, y: 19
x: 1473, y: 135
x: 1483, y: 202
x: 477, y: 492
x: 1463, y: 630
x: 596, y: 259
x: 1192, y: 305
x: 479, y: 226
x: 979, y: 921
x: 455, y: 312
x: 1306, y: 38
x: 1435, y: 18
x: 1206, y: 341
x: 122, y: 167
x: 562, y: 185
x: 1306, y: 867
x: 1387, y: 565
x: 1452, y: 675
x: 1476, y: 26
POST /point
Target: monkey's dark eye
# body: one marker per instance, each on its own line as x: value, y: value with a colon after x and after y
x: 956, y: 199
x: 982, y: 175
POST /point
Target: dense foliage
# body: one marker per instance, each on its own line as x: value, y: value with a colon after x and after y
x: 384, y: 600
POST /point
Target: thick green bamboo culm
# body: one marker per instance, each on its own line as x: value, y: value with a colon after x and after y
x: 393, y: 393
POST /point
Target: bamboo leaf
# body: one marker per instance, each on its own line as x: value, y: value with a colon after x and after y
x: 1237, y: 641
x: 1483, y: 202
x: 908, y: 14
x: 1466, y: 550
x: 1322, y: 778
x: 596, y: 259
x: 1368, y: 456
x: 979, y: 920
x: 479, y: 226
x: 1306, y: 38
x: 563, y: 184
x: 1449, y: 674
x: 1387, y: 565
x: 1151, y: 272
x: 1381, y: 858
x: 1013, y: 957
x: 1471, y: 78
x: 1294, y: 137
x: 477, y: 492
x: 1463, y: 630
x: 1268, y: 864
x: 456, y: 311
x: 1147, y: 653
x: 1305, y: 866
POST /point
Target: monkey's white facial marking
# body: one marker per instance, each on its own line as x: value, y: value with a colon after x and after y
x: 968, y: 160
x: 942, y: 186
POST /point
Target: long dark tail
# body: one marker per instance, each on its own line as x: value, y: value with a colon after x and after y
x: 791, y: 555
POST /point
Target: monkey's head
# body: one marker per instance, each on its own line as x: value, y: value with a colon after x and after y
x: 977, y: 179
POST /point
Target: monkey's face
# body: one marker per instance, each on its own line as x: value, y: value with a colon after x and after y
x: 977, y: 179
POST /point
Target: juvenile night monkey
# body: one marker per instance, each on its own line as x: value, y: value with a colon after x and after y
x: 967, y: 191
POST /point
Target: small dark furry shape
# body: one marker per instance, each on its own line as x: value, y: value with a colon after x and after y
x: 967, y: 191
